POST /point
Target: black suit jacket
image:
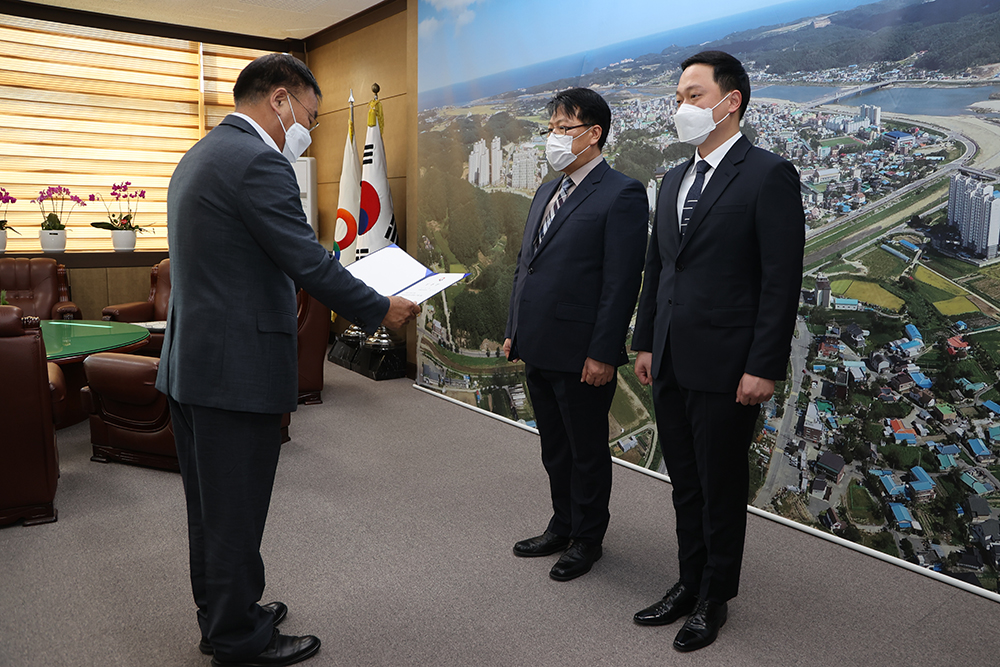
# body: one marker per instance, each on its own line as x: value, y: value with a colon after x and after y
x: 239, y: 244
x: 574, y: 296
x: 728, y: 292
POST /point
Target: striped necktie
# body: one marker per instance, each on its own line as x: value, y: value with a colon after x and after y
x: 694, y: 193
x: 567, y: 183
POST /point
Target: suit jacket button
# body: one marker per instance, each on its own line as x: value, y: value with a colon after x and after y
x: 531, y: 270
x: 679, y: 267
x: 670, y: 302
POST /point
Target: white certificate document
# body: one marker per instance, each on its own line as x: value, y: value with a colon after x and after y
x: 391, y: 272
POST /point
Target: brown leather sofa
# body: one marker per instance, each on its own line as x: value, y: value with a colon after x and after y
x: 154, y: 309
x: 313, y: 337
x: 129, y: 418
x: 38, y: 286
x: 32, y: 393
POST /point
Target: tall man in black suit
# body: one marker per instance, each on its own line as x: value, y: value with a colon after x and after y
x: 575, y: 285
x: 239, y: 244
x: 714, y: 329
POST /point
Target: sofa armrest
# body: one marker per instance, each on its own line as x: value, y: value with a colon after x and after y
x: 66, y: 310
x: 124, y: 378
x: 57, y: 390
x: 137, y: 311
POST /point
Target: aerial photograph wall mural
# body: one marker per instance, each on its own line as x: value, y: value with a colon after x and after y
x: 887, y: 430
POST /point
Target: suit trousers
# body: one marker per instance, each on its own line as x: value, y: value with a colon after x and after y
x: 228, y: 460
x: 572, y: 418
x: 705, y: 438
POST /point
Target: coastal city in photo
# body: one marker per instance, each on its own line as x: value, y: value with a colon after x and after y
x: 887, y: 430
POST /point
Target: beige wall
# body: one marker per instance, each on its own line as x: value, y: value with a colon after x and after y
x: 378, y: 46
x: 371, y: 48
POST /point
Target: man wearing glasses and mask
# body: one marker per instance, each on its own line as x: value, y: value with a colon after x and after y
x: 575, y: 286
x: 239, y: 245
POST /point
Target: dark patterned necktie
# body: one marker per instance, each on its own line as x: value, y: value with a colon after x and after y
x: 567, y: 183
x: 693, y: 194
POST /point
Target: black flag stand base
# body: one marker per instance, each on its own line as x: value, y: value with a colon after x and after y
x: 377, y: 357
x: 346, y: 347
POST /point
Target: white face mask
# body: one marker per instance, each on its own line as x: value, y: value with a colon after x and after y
x: 297, y: 138
x: 559, y: 150
x: 694, y: 124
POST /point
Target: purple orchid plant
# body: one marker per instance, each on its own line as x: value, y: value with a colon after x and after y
x: 6, y: 199
x: 56, y: 196
x: 124, y: 218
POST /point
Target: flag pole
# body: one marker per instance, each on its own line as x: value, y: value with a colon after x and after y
x: 380, y: 341
x: 353, y: 335
x: 350, y: 127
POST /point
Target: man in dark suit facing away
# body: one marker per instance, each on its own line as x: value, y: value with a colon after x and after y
x: 714, y: 329
x: 575, y: 285
x: 239, y: 245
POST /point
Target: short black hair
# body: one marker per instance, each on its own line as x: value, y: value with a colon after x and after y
x: 271, y: 71
x: 727, y: 71
x: 586, y: 105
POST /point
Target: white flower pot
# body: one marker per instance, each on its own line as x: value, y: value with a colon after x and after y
x: 3, y: 240
x: 52, y: 240
x: 123, y: 240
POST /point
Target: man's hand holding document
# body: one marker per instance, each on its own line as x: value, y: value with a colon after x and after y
x: 391, y: 272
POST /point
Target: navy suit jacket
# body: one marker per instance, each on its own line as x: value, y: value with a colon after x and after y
x: 728, y: 292
x: 239, y: 245
x: 574, y: 296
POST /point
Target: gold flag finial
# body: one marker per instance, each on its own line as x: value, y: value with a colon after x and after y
x: 375, y: 110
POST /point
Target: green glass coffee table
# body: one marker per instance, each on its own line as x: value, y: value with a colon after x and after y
x: 69, y: 342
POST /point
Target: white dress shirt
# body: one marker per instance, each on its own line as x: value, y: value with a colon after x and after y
x: 714, y: 159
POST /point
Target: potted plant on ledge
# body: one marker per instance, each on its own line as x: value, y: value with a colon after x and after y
x: 53, y: 234
x: 121, y: 223
x: 6, y: 200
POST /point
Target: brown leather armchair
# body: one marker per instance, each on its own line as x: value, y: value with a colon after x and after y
x: 313, y: 331
x: 38, y: 286
x: 314, y: 335
x: 129, y: 418
x: 152, y: 310
x: 31, y: 395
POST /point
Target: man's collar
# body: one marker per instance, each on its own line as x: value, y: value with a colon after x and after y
x: 255, y: 125
x: 584, y: 170
x: 715, y: 157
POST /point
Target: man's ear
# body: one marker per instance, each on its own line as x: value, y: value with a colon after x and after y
x: 278, y: 98
x: 595, y: 136
x: 735, y: 100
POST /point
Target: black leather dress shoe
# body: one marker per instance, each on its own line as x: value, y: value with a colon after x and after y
x: 578, y: 559
x: 543, y: 545
x: 702, y: 626
x: 279, y: 609
x: 679, y: 601
x: 283, y: 650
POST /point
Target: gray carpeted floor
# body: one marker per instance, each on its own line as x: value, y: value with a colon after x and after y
x: 390, y: 538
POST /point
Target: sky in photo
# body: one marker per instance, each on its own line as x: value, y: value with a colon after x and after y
x: 462, y: 40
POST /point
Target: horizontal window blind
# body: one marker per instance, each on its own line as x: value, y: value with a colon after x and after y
x: 86, y: 108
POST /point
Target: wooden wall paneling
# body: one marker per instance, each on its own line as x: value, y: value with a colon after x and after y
x: 328, y: 142
x: 370, y: 48
x: 327, y: 195
x: 378, y: 46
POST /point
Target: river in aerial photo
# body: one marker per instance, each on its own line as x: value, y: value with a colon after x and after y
x: 923, y: 100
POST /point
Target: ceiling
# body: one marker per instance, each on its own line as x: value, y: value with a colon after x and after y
x: 275, y: 19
